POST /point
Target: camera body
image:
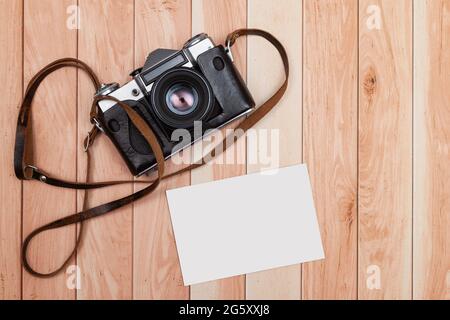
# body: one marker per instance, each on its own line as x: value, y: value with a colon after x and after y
x: 174, y: 89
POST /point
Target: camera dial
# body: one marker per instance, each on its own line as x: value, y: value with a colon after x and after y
x: 107, y: 88
x: 195, y: 39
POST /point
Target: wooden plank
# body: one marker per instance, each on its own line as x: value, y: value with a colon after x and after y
x: 431, y: 257
x: 46, y: 38
x: 330, y: 142
x: 385, y: 149
x: 265, y: 74
x: 106, y: 44
x: 156, y: 269
x: 218, y: 18
x: 10, y: 188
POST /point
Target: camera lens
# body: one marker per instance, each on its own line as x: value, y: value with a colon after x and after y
x: 182, y: 98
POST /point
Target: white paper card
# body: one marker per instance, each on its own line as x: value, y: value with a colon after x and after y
x: 245, y: 224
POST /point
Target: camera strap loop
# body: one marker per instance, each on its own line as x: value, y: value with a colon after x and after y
x: 25, y: 171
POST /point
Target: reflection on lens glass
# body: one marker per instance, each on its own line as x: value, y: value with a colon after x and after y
x: 181, y: 99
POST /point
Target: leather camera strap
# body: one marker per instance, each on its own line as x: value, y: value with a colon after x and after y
x: 25, y: 171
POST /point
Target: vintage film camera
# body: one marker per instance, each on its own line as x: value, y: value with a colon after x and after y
x: 174, y: 89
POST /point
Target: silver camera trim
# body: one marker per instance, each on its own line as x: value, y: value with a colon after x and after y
x: 197, y: 48
x: 125, y: 92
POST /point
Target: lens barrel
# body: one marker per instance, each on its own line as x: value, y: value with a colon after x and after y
x: 180, y: 97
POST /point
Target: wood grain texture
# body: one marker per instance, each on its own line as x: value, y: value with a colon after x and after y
x: 156, y: 268
x: 330, y: 142
x: 385, y: 150
x: 431, y: 267
x: 382, y: 193
x: 46, y: 38
x: 284, y: 21
x: 106, y: 44
x: 218, y: 18
x: 10, y: 187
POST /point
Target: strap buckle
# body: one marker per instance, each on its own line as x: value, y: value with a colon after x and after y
x: 228, y: 49
x: 87, y: 142
x: 28, y: 171
x: 90, y: 138
x: 96, y: 123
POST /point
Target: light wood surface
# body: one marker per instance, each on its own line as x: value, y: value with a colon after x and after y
x: 330, y: 142
x: 385, y: 149
x: 217, y: 18
x: 105, y: 42
x: 11, y: 70
x: 431, y: 267
x: 284, y: 20
x: 156, y: 269
x: 54, y: 117
x: 367, y: 109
